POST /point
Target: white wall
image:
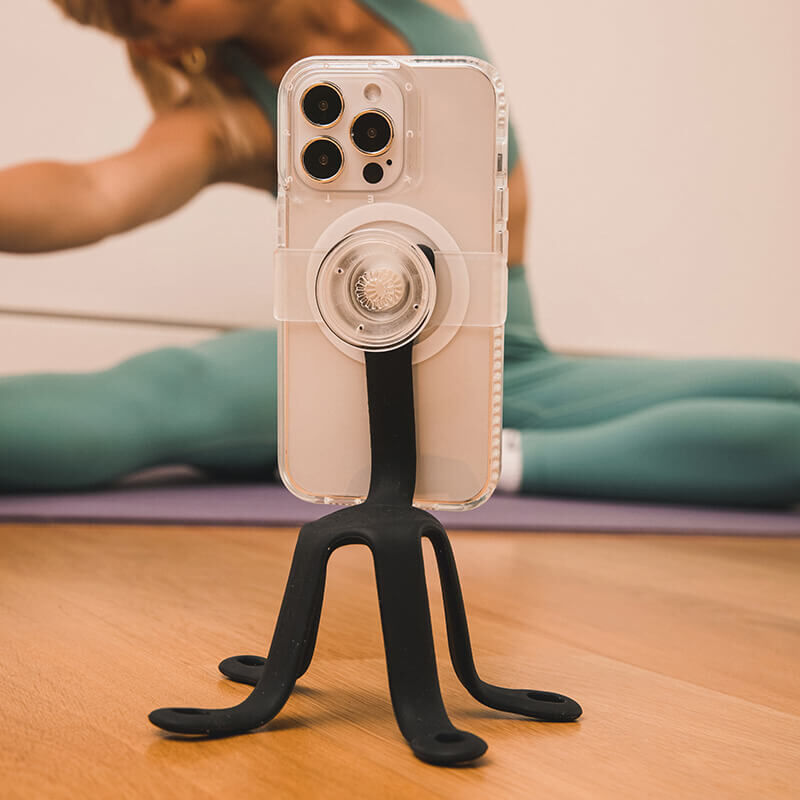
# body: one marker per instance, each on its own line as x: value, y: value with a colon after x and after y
x: 661, y: 147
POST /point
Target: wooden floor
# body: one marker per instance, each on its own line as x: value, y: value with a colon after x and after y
x: 684, y: 653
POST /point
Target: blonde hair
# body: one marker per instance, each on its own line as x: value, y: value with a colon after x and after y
x: 166, y: 86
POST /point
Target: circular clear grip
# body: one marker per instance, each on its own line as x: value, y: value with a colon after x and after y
x: 375, y: 290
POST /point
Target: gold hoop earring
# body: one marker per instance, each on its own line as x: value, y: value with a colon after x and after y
x: 194, y: 60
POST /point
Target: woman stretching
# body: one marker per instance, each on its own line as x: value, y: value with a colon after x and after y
x: 710, y: 431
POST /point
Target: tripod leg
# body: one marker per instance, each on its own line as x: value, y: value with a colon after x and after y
x: 248, y: 669
x: 287, y: 653
x: 547, y: 706
x: 410, y: 656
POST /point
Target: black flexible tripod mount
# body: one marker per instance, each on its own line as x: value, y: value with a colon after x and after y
x: 392, y: 528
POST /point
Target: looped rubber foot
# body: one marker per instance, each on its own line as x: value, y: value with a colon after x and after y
x: 449, y: 747
x: 549, y: 706
x: 545, y: 706
x: 243, y: 669
x: 181, y: 720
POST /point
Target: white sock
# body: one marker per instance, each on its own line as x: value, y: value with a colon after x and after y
x: 511, y: 454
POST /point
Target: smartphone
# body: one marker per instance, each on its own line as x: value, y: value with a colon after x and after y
x: 379, y: 160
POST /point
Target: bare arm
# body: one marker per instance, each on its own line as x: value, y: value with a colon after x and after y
x: 517, y: 214
x: 52, y: 206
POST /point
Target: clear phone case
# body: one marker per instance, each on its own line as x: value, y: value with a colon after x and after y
x: 444, y: 187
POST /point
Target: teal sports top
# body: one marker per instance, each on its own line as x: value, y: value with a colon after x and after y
x: 428, y: 31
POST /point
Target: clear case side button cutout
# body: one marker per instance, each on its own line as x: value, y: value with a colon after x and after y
x: 501, y: 207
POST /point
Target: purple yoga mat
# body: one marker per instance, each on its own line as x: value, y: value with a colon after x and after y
x: 170, y: 497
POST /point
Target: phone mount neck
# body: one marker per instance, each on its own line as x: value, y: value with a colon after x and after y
x: 393, y: 529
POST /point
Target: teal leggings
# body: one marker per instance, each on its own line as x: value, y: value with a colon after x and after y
x: 719, y: 432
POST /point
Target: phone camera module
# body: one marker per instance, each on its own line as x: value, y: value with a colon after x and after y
x: 322, y: 104
x: 373, y: 172
x: 323, y: 159
x: 372, y: 132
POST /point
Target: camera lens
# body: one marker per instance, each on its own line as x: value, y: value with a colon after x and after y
x: 373, y: 172
x: 322, y: 104
x: 372, y: 132
x: 323, y: 159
